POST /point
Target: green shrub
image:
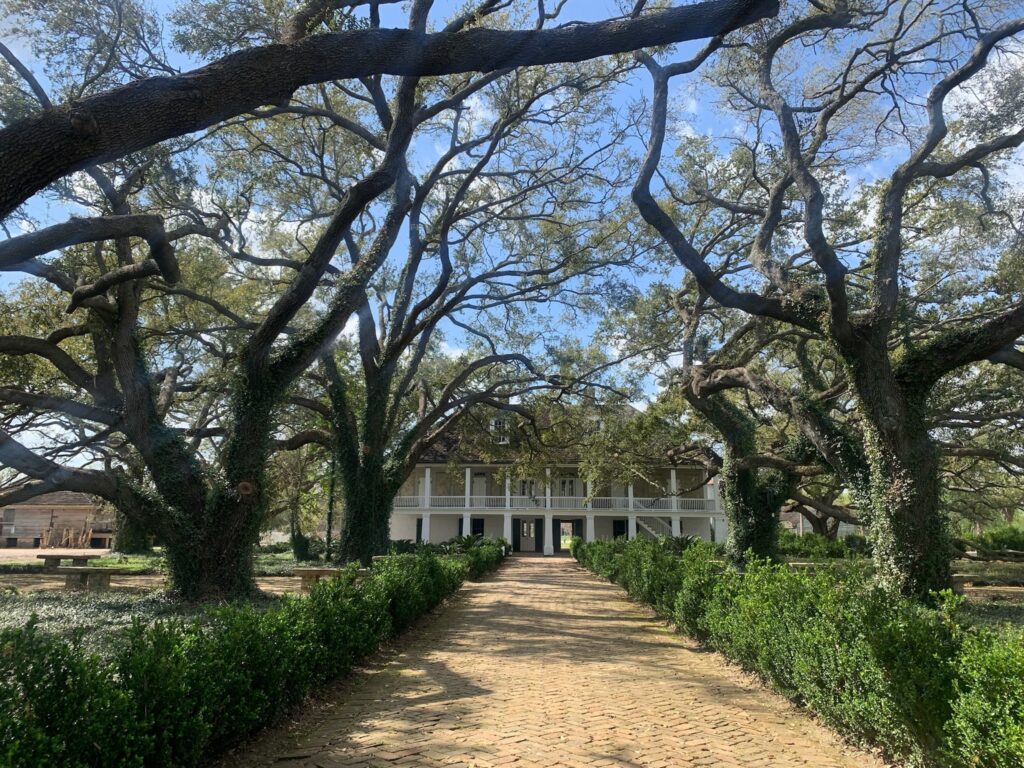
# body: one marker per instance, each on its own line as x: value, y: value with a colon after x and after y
x: 62, y: 706
x: 884, y: 671
x: 174, y: 693
x: 811, y: 546
x: 987, y: 727
x: 1001, y: 537
x: 701, y: 572
x: 277, y: 548
x: 483, y: 557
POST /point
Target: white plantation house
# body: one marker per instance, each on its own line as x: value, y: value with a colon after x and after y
x: 445, y: 498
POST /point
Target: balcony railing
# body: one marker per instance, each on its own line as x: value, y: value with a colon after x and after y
x: 562, y: 503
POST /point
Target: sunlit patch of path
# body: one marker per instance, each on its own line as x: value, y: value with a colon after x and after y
x: 545, y: 665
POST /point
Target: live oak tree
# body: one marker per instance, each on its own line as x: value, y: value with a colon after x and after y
x: 883, y: 83
x: 505, y: 235
x: 221, y: 510
x: 43, y: 147
x: 747, y: 403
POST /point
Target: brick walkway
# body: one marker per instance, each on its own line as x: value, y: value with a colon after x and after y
x: 545, y: 665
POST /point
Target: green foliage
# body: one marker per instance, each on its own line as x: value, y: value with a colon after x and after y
x: 987, y: 727
x: 916, y: 681
x: 277, y: 548
x: 813, y: 546
x: 176, y: 692
x: 483, y: 557
x: 1001, y: 537
x: 62, y: 706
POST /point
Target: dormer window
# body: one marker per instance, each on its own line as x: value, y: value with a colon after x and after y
x: 499, y: 431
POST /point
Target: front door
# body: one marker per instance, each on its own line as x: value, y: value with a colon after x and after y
x: 556, y: 533
x: 476, y: 526
x: 619, y: 529
x: 538, y: 529
x: 517, y: 534
x: 577, y: 528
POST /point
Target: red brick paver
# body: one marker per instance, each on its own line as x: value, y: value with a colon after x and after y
x: 545, y: 665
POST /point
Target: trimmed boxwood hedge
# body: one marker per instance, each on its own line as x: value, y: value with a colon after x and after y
x: 920, y: 683
x: 176, y: 692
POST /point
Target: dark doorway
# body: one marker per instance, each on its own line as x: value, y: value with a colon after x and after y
x: 476, y: 526
x: 539, y: 538
x: 577, y: 528
x: 619, y: 528
x: 556, y: 534
x: 419, y: 530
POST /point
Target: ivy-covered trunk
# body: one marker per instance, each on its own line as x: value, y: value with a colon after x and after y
x: 907, y: 526
x: 751, y: 496
x: 366, y: 527
x: 235, y: 511
x: 751, y: 499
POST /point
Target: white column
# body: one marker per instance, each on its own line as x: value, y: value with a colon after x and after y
x: 469, y: 484
x: 631, y: 531
x: 547, y: 492
x: 673, y: 486
x: 630, y: 494
x: 425, y: 531
x: 590, y: 501
x: 467, y: 527
x: 590, y: 528
x: 506, y: 531
x: 549, y: 534
x: 508, y: 493
x: 677, y: 527
x: 426, y: 489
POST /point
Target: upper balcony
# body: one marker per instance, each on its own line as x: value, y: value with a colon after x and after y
x: 557, y: 503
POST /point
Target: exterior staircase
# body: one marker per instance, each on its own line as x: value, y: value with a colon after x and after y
x: 655, y: 526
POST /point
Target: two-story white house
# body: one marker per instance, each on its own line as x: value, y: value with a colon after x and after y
x: 449, y: 496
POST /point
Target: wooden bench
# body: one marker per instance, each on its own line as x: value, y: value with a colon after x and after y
x: 311, y: 576
x: 54, y: 561
x: 88, y: 576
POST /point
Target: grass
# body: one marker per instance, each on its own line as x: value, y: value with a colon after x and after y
x: 266, y: 564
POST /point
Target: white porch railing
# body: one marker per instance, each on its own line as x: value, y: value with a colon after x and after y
x: 661, y: 503
x: 599, y: 503
x: 610, y: 502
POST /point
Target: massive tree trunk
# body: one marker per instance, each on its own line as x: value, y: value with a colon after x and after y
x: 907, y: 526
x: 366, y: 528
x: 751, y: 496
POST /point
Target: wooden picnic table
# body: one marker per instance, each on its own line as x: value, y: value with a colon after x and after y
x: 54, y: 560
x: 88, y: 576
